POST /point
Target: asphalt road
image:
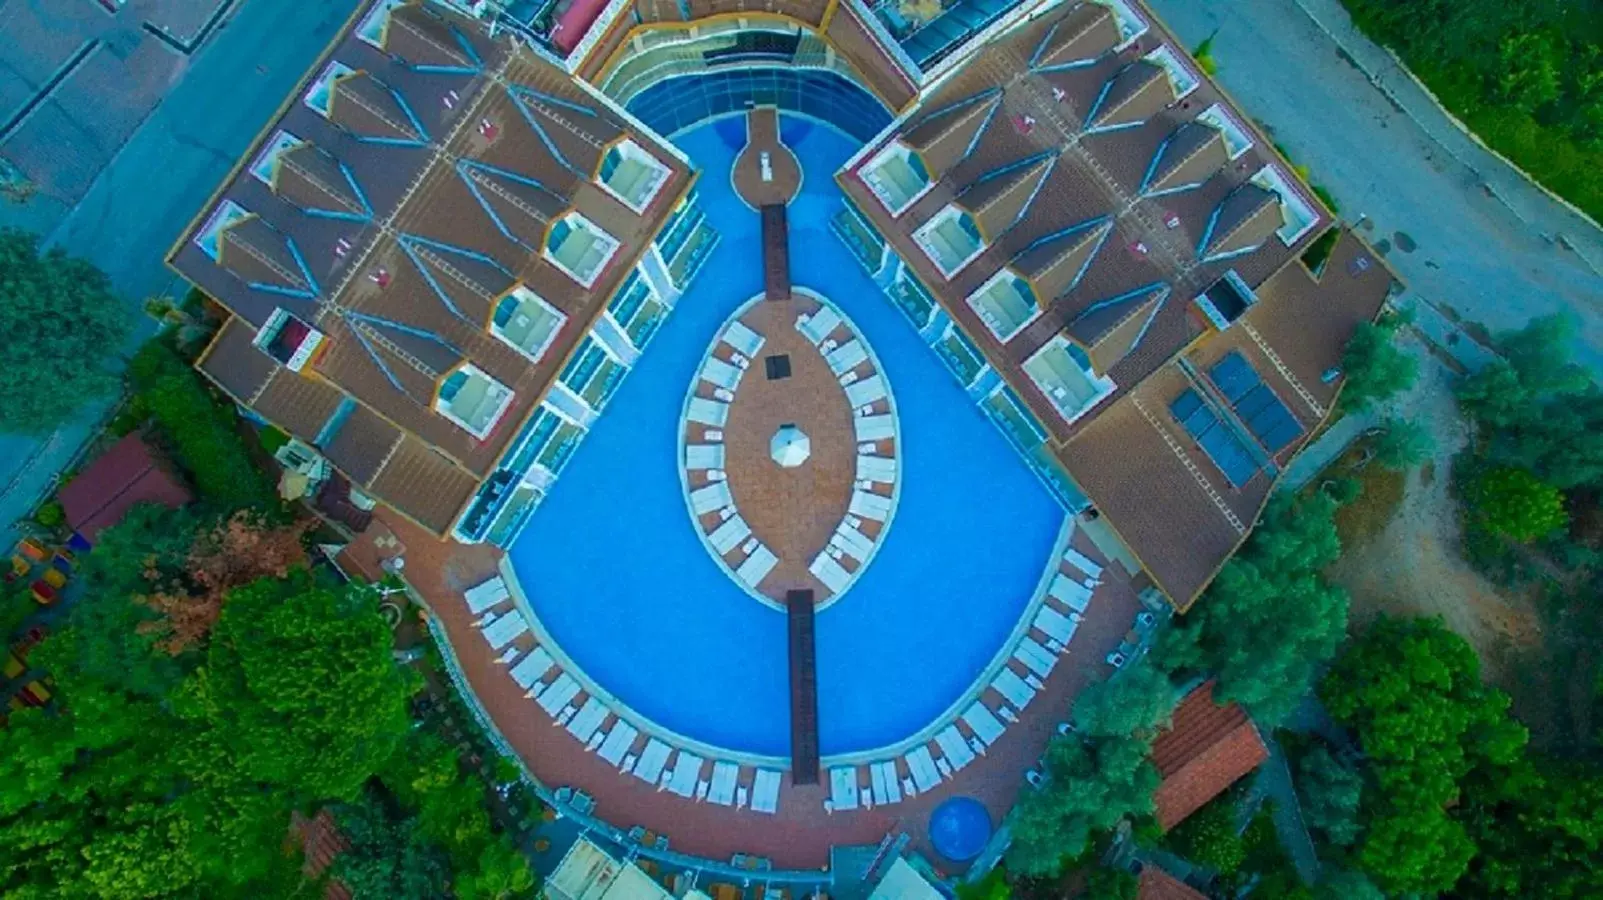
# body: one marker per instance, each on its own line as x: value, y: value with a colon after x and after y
x: 1391, y: 156
x: 159, y: 180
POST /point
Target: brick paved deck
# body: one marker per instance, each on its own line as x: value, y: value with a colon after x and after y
x: 800, y: 835
x: 762, y: 136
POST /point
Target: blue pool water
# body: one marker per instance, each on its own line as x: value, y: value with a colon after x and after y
x: 616, y: 571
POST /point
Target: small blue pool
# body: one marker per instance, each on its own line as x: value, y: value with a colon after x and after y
x: 619, y: 577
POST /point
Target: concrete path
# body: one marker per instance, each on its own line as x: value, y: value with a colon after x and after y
x: 1460, y: 226
x: 160, y: 179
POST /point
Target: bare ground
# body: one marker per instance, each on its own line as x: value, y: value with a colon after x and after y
x: 1412, y: 565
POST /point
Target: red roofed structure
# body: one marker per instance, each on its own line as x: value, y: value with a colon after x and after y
x: 1157, y: 884
x: 127, y: 474
x: 321, y: 841
x: 1205, y: 750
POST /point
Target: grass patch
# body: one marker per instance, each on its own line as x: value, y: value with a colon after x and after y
x: 1367, y: 516
x: 1319, y: 251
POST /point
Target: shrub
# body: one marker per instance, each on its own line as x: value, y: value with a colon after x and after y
x: 202, y: 432
x: 1516, y: 504
x: 50, y: 514
x: 1209, y: 837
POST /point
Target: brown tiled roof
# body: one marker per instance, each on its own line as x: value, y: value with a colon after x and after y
x: 321, y: 841
x: 394, y: 224
x: 1180, y: 214
x: 1157, y: 884
x: 1205, y: 750
x: 127, y: 474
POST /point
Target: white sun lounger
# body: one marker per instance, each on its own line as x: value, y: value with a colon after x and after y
x: 618, y: 742
x: 1012, y: 688
x: 829, y: 572
x: 721, y: 374
x: 686, y: 773
x: 922, y: 767
x: 765, y: 792
x: 956, y: 750
x: 874, y: 428
x: 876, y: 468
x: 1035, y: 657
x: 843, y: 787
x: 1082, y: 562
x: 1054, y: 624
x: 708, y: 412
x: 649, y: 767
x: 757, y: 566
x: 1070, y: 593
x: 711, y: 497
x: 486, y: 594
x: 887, y: 789
x: 555, y: 697
x: 980, y: 718
x: 532, y: 668
x: 870, y: 506
x: 724, y: 777
x: 588, y: 719
x: 704, y: 456
x: 728, y: 535
x: 505, y: 629
x: 846, y: 356
x: 862, y: 393
x: 853, y: 541
x: 819, y: 325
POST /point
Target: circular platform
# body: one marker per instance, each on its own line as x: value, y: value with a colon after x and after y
x: 960, y: 828
x: 789, y: 450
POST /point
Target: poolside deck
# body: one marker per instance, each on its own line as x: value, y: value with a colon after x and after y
x: 783, y: 169
x: 800, y: 835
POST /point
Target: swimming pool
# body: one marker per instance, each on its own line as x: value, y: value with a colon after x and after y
x: 617, y: 575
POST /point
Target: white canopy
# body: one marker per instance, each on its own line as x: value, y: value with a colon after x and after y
x: 1035, y: 657
x: 818, y: 326
x: 724, y: 777
x: 588, y: 719
x: 830, y: 572
x: 649, y: 767
x: 704, y: 456
x: 553, y: 698
x: 505, y: 629
x: 708, y: 412
x: 870, y: 505
x: 846, y: 356
x: 1070, y: 593
x: 686, y: 772
x: 843, y: 787
x: 743, y: 339
x: 862, y: 393
x: 1054, y: 624
x: 757, y: 566
x: 729, y: 533
x: 953, y: 747
x: 711, y: 497
x: 887, y: 786
x: 876, y: 468
x: 854, y: 542
x: 874, y: 428
x: 922, y: 767
x: 1082, y: 562
x: 720, y: 373
x: 790, y: 446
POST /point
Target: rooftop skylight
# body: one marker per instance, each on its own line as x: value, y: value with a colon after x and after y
x: 897, y: 177
x: 288, y: 339
x: 1225, y: 300
x: 1181, y: 76
x: 209, y: 237
x: 1237, y: 139
x: 951, y: 239
x: 265, y: 167
x: 320, y: 96
x: 1064, y: 374
x: 371, y: 29
x: 579, y: 248
x: 472, y: 400
x: 631, y: 174
x: 1006, y: 303
x: 1131, y: 23
x: 527, y: 322
x: 1298, y: 215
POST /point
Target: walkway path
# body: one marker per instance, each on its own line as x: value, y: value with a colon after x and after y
x: 1460, y: 226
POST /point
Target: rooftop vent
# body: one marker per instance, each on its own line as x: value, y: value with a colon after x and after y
x: 289, y: 340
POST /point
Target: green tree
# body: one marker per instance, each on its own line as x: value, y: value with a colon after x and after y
x: 1106, y: 883
x: 1538, y: 826
x: 1528, y: 76
x: 1090, y: 788
x: 1411, y: 690
x: 1516, y: 504
x: 1210, y: 837
x: 1270, y: 619
x: 300, y: 688
x: 1375, y: 367
x: 385, y: 858
x: 1135, y: 700
x: 1331, y: 791
x: 61, y: 328
x: 1346, y: 884
x: 1403, y: 444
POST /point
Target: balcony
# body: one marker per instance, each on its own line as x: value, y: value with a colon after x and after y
x: 631, y: 174
x: 1063, y: 373
x: 951, y: 239
x: 525, y: 321
x: 896, y: 176
x: 473, y: 400
x: 1005, y: 304
x: 579, y: 248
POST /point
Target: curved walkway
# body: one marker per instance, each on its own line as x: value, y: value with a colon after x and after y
x: 1341, y: 106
